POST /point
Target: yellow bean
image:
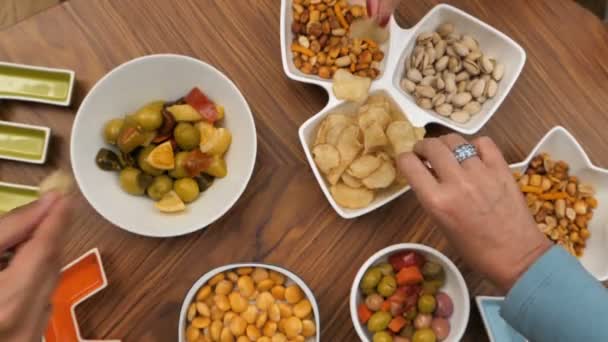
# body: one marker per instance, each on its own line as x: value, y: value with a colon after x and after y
x: 224, y: 287
x: 243, y: 339
x: 308, y: 328
x: 222, y: 302
x: 251, y: 314
x: 201, y: 322
x: 216, y: 313
x: 265, y: 285
x: 286, y: 310
x: 245, y: 285
x: 228, y: 318
x: 262, y: 318
x: 298, y: 338
x: 293, y: 294
x: 192, y: 334
x: 274, y: 313
x: 279, y: 338
x: 277, y: 277
x: 278, y: 292
x: 281, y: 324
x: 293, y: 327
x: 191, y: 312
x: 259, y: 274
x: 270, y: 329
x: 232, y: 276
x: 244, y: 270
x: 216, y: 279
x: 215, y: 330
x: 203, y: 309
x: 238, y: 326
x: 253, y: 332
x: 226, y: 336
x: 237, y: 302
x: 302, y: 309
x: 264, y: 339
x: 203, y: 293
x: 264, y: 300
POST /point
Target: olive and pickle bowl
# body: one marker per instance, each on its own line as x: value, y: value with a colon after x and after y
x: 280, y: 288
x: 125, y: 89
x: 437, y: 280
x: 560, y: 144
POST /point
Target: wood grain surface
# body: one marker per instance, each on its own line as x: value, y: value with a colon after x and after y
x: 283, y: 217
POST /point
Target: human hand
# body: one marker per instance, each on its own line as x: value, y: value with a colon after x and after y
x: 26, y: 285
x: 381, y: 10
x: 478, y: 204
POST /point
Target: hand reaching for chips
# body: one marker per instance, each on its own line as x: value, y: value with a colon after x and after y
x: 356, y: 151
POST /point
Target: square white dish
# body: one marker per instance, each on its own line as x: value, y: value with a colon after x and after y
x: 561, y: 145
x: 42, y: 150
x: 497, y: 329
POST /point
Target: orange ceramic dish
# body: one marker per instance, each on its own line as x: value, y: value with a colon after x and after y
x: 79, y: 280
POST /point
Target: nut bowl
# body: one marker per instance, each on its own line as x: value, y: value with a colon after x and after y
x: 561, y: 145
x: 291, y: 279
x: 455, y: 287
x: 124, y: 90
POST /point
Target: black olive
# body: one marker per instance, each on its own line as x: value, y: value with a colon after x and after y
x: 108, y: 160
x: 204, y: 181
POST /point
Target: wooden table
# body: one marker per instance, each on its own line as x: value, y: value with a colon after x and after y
x: 283, y: 217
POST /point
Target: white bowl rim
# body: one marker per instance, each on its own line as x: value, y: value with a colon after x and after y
x: 354, y: 291
x: 210, y: 274
x: 480, y: 300
x: 193, y: 227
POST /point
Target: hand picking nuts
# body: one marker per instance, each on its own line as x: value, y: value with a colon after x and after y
x: 321, y: 43
x: 237, y: 312
x: 452, y: 65
x: 561, y: 210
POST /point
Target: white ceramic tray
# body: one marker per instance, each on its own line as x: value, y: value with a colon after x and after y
x: 561, y: 145
x: 396, y: 49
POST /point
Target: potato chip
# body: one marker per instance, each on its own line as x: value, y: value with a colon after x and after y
x: 383, y: 177
x: 374, y: 114
x: 333, y: 133
x: 348, y: 144
x: 59, y: 181
x: 353, y: 198
x: 349, y: 87
x: 374, y: 138
x: 330, y: 121
x: 402, y: 136
x: 326, y: 157
x: 334, y: 175
x: 351, y: 181
x: 364, y: 166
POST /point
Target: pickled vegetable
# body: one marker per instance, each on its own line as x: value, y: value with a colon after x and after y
x: 445, y: 306
x: 424, y: 335
x: 441, y: 328
x: 143, y: 163
x: 149, y: 117
x: 204, y: 181
x: 108, y: 160
x: 133, y: 181
x: 217, y: 168
x: 180, y: 165
x: 111, y: 130
x: 382, y: 336
x: 379, y: 321
x: 130, y: 137
x: 387, y: 286
x: 371, y: 278
x: 186, y: 136
x: 432, y: 271
x: 426, y: 304
x: 160, y: 187
x: 187, y: 189
x: 385, y: 268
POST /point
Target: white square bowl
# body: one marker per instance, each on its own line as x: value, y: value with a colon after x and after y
x: 307, y: 134
x: 561, y: 145
x: 492, y: 42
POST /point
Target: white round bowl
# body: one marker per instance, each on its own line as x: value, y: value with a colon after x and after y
x: 124, y: 90
x: 291, y: 278
x: 455, y: 287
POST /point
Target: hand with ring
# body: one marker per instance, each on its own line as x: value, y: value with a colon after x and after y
x: 473, y: 196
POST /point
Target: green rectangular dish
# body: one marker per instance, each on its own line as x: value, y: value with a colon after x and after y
x: 36, y: 84
x: 15, y: 195
x: 25, y: 143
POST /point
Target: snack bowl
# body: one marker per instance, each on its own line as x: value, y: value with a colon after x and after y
x: 125, y: 89
x: 497, y: 328
x: 307, y: 135
x: 454, y: 286
x: 561, y: 145
x: 291, y: 279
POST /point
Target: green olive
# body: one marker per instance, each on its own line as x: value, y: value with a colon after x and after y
x: 180, y: 170
x: 159, y: 187
x: 432, y: 271
x: 112, y: 129
x: 427, y: 303
x: 187, y: 189
x: 130, y: 181
x: 431, y: 287
x: 149, y: 117
x: 411, y: 313
x: 407, y: 332
x: 186, y: 136
x: 385, y: 268
x: 387, y: 286
x: 143, y: 163
x: 130, y: 136
x: 371, y: 278
x: 424, y: 335
x: 379, y: 321
x: 382, y: 336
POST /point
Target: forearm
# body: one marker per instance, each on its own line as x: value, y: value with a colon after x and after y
x: 558, y: 300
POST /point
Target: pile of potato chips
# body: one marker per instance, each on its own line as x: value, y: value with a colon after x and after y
x: 356, y: 152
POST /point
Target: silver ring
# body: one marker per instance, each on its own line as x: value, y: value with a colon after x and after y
x: 464, y: 152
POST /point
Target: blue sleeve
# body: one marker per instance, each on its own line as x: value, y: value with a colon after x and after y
x: 558, y: 300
